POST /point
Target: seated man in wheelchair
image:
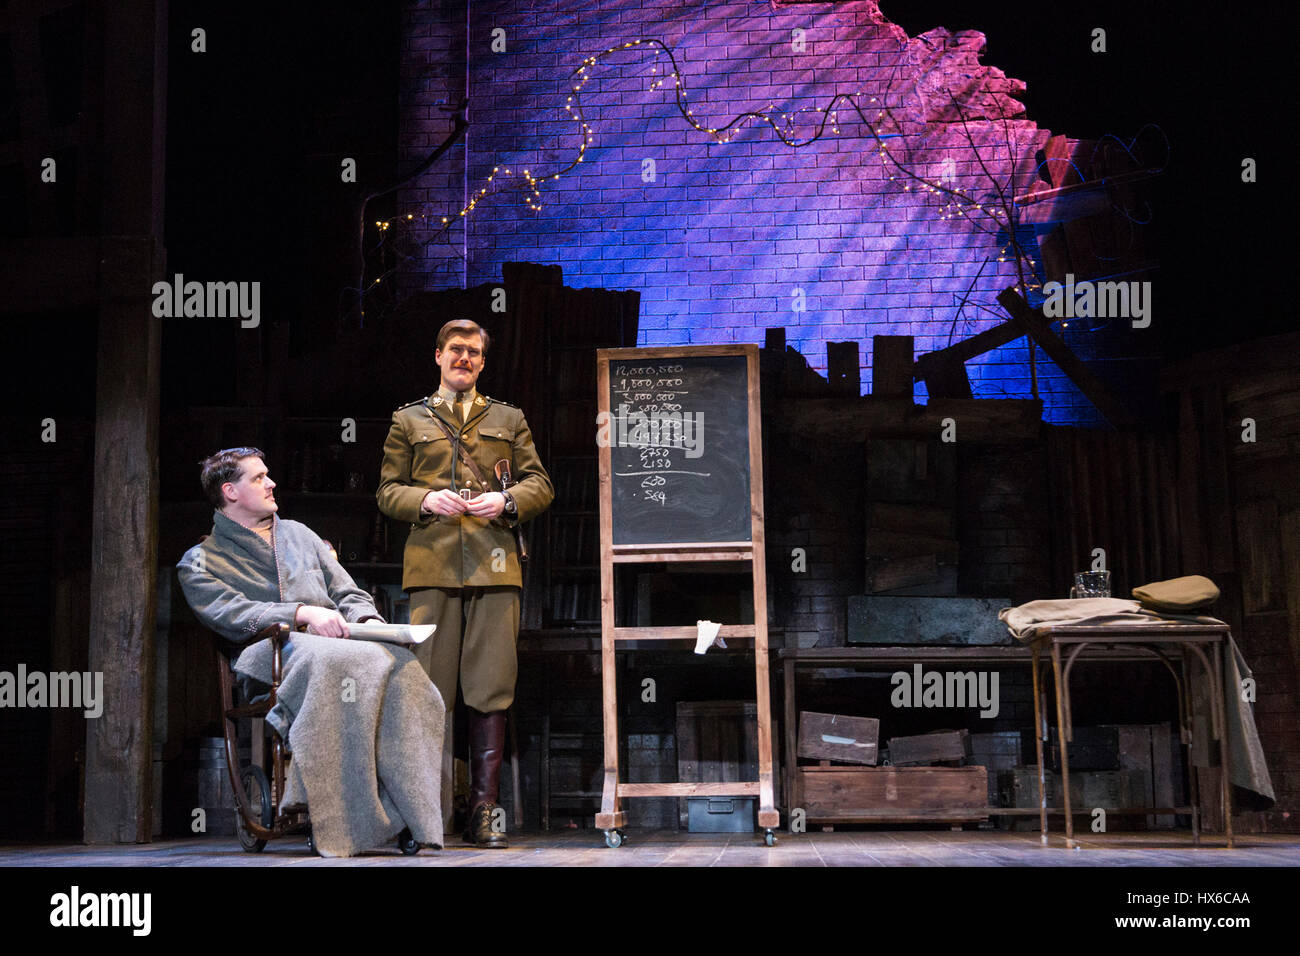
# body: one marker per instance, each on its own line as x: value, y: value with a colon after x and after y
x: 363, y: 721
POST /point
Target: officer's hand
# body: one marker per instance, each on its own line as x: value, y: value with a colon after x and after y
x: 487, y: 505
x: 322, y: 621
x: 443, y: 502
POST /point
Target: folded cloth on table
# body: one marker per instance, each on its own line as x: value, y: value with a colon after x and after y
x: 1025, y: 621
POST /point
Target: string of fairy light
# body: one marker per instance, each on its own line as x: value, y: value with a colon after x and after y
x: 881, y: 128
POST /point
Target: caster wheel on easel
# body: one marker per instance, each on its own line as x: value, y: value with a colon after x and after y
x: 614, y: 839
x: 769, y: 838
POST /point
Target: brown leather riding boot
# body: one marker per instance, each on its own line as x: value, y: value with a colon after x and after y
x: 487, y: 738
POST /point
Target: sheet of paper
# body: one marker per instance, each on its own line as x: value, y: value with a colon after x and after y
x: 392, y: 633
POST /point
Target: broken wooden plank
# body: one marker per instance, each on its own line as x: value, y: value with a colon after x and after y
x: 1039, y: 329
x: 967, y: 349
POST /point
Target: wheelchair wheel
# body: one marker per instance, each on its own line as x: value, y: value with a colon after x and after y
x: 406, y: 843
x: 257, y: 800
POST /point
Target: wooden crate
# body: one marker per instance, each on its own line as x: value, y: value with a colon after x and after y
x: 1147, y: 750
x: 836, y: 737
x: 1089, y: 789
x: 929, y: 748
x: 995, y: 751
x: 893, y: 794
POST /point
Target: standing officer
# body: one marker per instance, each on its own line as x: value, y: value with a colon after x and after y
x: 461, y: 566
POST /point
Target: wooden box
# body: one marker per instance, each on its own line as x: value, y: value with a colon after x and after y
x: 894, y: 794
x: 836, y: 737
x: 1147, y: 749
x: 996, y: 751
x: 1089, y: 789
x: 929, y: 748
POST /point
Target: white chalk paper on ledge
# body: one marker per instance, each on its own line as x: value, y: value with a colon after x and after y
x: 392, y: 633
x: 706, y: 636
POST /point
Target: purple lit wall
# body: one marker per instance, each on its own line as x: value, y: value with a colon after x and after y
x: 723, y: 236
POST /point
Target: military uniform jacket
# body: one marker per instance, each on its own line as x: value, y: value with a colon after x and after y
x: 452, y: 551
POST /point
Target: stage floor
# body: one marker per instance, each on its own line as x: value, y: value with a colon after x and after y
x: 672, y: 848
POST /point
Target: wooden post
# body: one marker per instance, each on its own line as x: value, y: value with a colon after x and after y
x: 843, y: 370
x: 123, y: 568
x: 124, y: 542
x: 891, y: 366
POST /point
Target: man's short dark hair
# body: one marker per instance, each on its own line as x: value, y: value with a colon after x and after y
x: 222, y: 467
x: 461, y: 327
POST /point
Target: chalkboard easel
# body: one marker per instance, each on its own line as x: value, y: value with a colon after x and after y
x: 681, y: 479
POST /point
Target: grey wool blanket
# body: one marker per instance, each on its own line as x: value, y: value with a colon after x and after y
x: 1247, y: 771
x: 359, y: 717
x: 363, y: 721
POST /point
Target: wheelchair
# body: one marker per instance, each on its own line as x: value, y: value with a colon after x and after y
x: 260, y: 817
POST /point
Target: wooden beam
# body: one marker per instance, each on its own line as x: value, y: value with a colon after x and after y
x: 124, y: 547
x: 681, y: 633
x: 967, y: 349
x: 735, y: 788
x: 124, y: 533
x: 988, y: 420
x: 1039, y: 329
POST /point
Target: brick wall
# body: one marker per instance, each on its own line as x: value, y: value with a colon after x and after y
x: 727, y: 239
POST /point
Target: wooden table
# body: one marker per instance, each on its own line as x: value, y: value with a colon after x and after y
x: 1109, y: 643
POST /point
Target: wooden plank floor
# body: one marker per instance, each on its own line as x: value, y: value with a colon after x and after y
x: 672, y: 848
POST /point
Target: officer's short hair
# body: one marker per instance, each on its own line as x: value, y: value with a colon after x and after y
x: 461, y: 327
x: 222, y: 467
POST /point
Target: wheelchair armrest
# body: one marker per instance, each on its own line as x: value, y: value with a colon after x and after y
x: 277, y: 634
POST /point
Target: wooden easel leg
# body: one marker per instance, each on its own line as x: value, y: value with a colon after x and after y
x: 768, y: 817
x: 790, y: 755
x: 611, y: 816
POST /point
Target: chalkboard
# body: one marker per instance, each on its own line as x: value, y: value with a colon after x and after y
x: 677, y: 427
